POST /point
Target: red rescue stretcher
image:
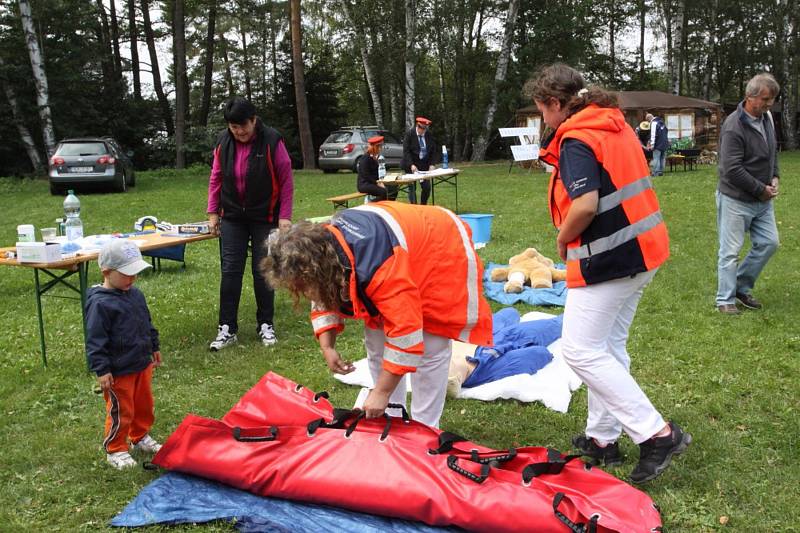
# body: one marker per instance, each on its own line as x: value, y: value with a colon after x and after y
x: 284, y: 440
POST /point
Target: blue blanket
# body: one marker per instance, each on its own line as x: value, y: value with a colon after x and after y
x: 180, y: 499
x: 556, y: 296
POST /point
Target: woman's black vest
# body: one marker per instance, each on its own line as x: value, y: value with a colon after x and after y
x: 262, y: 190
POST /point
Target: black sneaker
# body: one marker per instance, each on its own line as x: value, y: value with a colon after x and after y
x: 609, y: 455
x: 748, y: 301
x: 655, y: 454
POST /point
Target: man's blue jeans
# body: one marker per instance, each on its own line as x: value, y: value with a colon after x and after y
x: 657, y: 163
x: 734, y: 219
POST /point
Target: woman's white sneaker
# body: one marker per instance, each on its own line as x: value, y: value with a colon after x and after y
x: 267, y: 334
x: 224, y: 338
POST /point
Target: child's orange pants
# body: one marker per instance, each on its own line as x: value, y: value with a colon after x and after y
x: 129, y: 410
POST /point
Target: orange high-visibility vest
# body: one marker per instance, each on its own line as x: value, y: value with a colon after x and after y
x: 413, y: 268
x: 628, y: 234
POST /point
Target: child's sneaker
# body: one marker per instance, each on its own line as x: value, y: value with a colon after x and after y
x: 224, y: 338
x: 267, y: 334
x: 147, y: 445
x: 120, y: 460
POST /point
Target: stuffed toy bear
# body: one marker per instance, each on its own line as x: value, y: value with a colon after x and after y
x: 529, y: 267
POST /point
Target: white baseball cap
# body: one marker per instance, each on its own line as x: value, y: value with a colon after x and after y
x: 123, y: 256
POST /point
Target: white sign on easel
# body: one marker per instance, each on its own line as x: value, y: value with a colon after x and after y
x: 528, y: 147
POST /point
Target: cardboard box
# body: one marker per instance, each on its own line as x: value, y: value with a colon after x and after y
x: 195, y: 228
x: 38, y: 252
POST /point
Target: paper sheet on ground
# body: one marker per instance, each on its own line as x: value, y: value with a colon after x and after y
x: 552, y: 385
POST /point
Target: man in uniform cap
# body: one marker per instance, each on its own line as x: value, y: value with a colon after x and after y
x: 419, y: 153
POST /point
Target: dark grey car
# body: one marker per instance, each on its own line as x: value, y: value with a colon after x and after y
x: 90, y: 160
x: 345, y: 146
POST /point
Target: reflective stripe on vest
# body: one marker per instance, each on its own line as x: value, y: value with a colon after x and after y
x: 630, y: 190
x: 473, y: 295
x: 390, y: 221
x: 401, y: 358
x: 326, y: 320
x: 406, y: 341
x: 604, y: 244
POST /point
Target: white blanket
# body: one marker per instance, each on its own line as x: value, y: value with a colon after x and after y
x: 552, y: 385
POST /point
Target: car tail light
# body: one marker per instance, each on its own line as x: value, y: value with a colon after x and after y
x: 106, y: 160
x: 348, y: 148
x: 56, y: 161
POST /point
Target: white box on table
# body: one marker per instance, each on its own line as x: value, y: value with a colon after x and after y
x: 38, y: 252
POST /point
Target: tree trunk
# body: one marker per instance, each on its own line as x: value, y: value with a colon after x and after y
x: 784, y: 46
x: 303, y: 122
x: 248, y: 89
x: 369, y: 73
x: 137, y: 84
x: 273, y: 38
x: 711, y: 49
x: 24, y: 134
x: 612, y: 45
x: 479, y: 147
x: 39, y: 77
x: 107, y: 61
x: 223, y: 46
x: 677, y: 35
x: 163, y: 103
x: 208, y: 77
x: 181, y: 91
x: 642, y: 14
x: 411, y: 60
x: 115, y: 39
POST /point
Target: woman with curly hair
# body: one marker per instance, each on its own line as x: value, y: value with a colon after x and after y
x: 613, y: 238
x: 410, y: 273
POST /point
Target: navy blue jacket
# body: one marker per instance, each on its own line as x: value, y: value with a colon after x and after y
x: 662, y: 138
x: 120, y: 337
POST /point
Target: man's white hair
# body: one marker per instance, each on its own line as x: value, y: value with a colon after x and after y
x: 762, y: 81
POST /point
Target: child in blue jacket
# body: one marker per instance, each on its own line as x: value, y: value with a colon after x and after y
x: 122, y: 348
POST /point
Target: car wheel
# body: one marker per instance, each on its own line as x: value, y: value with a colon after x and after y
x: 330, y: 170
x: 132, y: 180
x: 119, y: 183
x: 55, y: 190
x: 355, y: 165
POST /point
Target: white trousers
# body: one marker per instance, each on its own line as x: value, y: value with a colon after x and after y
x: 594, y: 338
x: 428, y: 383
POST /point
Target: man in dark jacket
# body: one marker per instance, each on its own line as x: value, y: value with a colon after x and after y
x: 419, y: 153
x: 659, y: 142
x: 748, y: 182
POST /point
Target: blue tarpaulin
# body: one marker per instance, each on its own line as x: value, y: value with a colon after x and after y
x: 556, y: 296
x: 181, y: 499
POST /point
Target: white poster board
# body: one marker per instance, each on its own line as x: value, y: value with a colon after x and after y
x: 528, y: 148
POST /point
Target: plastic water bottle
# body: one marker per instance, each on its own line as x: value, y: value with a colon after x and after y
x: 73, y: 227
x: 381, y: 167
x: 444, y: 156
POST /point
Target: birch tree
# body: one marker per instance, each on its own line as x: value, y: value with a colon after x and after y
x: 411, y: 60
x: 676, y: 23
x: 479, y: 147
x: 39, y: 76
x: 303, y: 122
x: 24, y: 134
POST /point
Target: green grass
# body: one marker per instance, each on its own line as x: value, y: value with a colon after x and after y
x: 731, y: 381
